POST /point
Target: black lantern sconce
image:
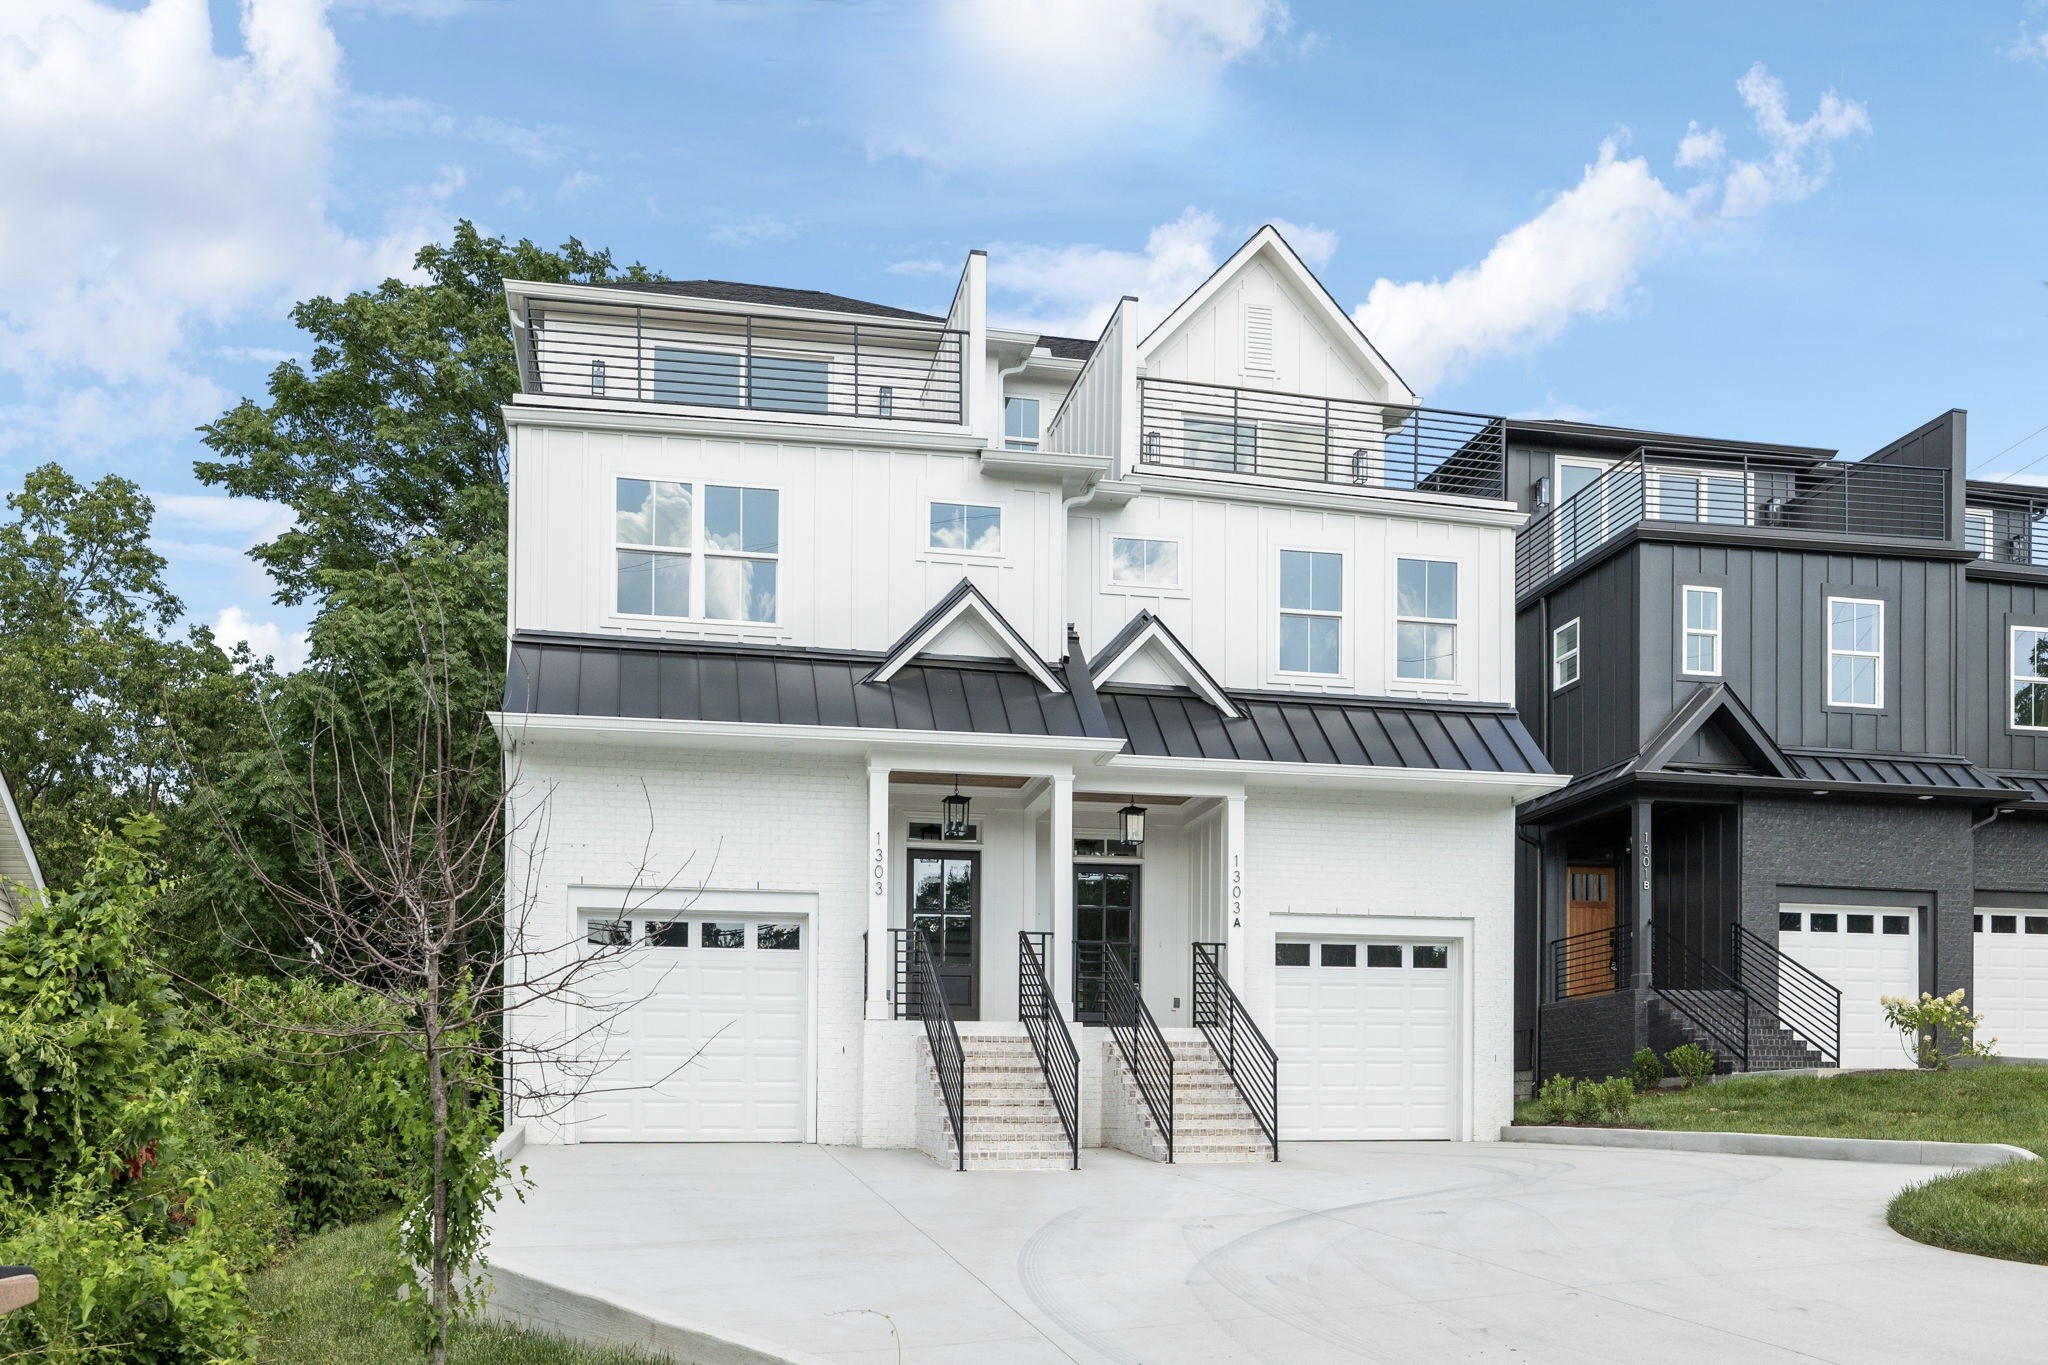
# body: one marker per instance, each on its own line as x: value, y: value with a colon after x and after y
x: 1131, y: 823
x: 956, y: 813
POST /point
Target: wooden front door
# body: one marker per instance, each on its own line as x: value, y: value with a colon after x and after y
x: 945, y: 902
x: 1588, y: 908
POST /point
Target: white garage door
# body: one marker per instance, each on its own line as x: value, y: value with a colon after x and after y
x: 2012, y: 980
x: 732, y: 991
x: 1368, y: 1038
x: 1864, y: 952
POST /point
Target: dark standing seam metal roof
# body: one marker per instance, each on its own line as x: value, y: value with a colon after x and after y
x: 2032, y: 786
x: 1894, y: 770
x: 584, y: 676
x: 731, y: 291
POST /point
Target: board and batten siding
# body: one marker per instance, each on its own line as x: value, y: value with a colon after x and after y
x: 1208, y: 347
x: 1991, y: 608
x: 1592, y: 723
x: 1227, y: 608
x: 1775, y: 635
x: 854, y: 570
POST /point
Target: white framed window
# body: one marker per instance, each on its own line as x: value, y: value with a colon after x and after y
x: 2028, y: 665
x: 1142, y: 562
x: 1020, y: 423
x: 1210, y: 444
x: 965, y: 528
x: 1311, y: 612
x: 1855, y: 652
x: 679, y: 555
x: 1426, y: 620
x: 1977, y: 530
x: 1564, y: 655
x: 719, y: 378
x: 1702, y: 656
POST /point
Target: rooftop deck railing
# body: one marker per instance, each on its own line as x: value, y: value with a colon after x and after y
x: 1219, y: 429
x: 1830, y: 498
x: 873, y: 368
x: 2010, y: 530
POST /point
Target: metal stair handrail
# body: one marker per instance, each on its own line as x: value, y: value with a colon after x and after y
x: 1802, y: 1001
x: 1237, y: 1042
x: 1138, y: 1038
x: 949, y: 1059
x: 1611, y: 949
x: 1058, y: 1058
x: 1698, y: 991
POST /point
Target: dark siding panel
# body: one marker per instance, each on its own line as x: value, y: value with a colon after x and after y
x: 836, y: 704
x: 718, y: 688
x: 599, y: 688
x: 640, y: 684
x: 756, y: 680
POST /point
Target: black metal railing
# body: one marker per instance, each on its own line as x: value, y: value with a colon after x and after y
x: 949, y: 1059
x: 902, y: 989
x: 1829, y: 497
x: 1143, y: 1046
x: 1058, y: 1058
x: 1237, y: 1042
x: 1801, y: 1000
x: 2009, y: 530
x: 1596, y: 962
x: 877, y: 368
x: 1702, y: 994
x: 1221, y: 429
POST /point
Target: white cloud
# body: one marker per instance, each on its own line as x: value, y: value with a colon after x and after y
x: 745, y: 232
x: 245, y: 520
x: 407, y: 116
x: 924, y: 268
x: 1070, y: 290
x: 266, y: 639
x: 1022, y: 82
x: 1583, y: 255
x: 1313, y: 244
x: 2029, y: 46
x: 577, y: 183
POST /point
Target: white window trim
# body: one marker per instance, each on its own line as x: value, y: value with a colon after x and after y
x: 1179, y: 588
x: 930, y: 551
x: 1828, y: 679
x: 2013, y: 679
x: 1983, y: 515
x: 1023, y: 442
x: 1698, y: 475
x: 1686, y: 632
x: 1457, y: 623
x: 698, y: 551
x: 1558, y: 682
x: 1342, y: 616
x: 655, y: 342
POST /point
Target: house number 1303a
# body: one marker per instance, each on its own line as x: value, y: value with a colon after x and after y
x: 1236, y: 892
x: 881, y: 868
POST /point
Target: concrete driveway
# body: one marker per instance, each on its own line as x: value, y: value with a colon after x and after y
x: 1342, y: 1252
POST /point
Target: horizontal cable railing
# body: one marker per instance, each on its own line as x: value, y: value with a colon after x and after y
x: 1702, y: 994
x: 746, y: 361
x: 1143, y: 1046
x: 1597, y: 962
x: 949, y: 1058
x: 1829, y: 498
x: 1800, y: 998
x: 1219, y: 429
x: 1237, y: 1042
x: 1058, y: 1058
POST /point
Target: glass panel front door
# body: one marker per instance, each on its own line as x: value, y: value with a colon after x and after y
x: 945, y: 902
x: 1105, y: 921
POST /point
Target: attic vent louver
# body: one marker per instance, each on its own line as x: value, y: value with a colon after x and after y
x: 1258, y: 338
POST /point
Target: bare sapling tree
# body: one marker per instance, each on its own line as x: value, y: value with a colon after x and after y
x: 400, y: 816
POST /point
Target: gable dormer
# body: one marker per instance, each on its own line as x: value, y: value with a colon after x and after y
x: 1145, y: 653
x: 964, y: 625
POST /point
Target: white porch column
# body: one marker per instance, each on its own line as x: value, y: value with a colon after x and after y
x: 1233, y: 893
x: 1058, y: 971
x: 881, y: 958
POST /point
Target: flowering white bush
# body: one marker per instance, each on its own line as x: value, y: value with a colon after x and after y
x: 1922, y: 1022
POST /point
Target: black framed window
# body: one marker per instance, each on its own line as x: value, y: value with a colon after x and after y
x: 1431, y: 955
x: 1290, y: 955
x: 724, y: 935
x: 1340, y: 954
x: 1823, y: 924
x: 1383, y: 955
x: 1789, y: 921
x: 608, y: 933
x: 778, y: 937
x: 1862, y: 924
x: 675, y: 934
x: 1898, y: 924
x: 2005, y: 924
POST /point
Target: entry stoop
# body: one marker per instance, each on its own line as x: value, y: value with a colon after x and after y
x: 1010, y: 1119
x: 1212, y: 1125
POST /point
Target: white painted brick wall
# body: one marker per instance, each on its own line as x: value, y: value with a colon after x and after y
x: 726, y: 821
x: 1312, y: 852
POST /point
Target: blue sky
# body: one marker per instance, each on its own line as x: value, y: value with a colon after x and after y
x: 1814, y: 223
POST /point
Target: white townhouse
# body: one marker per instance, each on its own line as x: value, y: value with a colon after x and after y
x: 1008, y: 744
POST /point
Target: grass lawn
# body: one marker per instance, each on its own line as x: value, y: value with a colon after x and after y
x: 2001, y: 1211
x: 314, y: 1313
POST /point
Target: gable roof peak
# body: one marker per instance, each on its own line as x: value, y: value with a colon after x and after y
x: 964, y: 603
x: 1145, y: 633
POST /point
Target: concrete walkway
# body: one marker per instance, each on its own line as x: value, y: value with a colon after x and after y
x: 1342, y: 1252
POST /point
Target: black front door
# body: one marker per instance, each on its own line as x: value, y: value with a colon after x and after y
x: 945, y: 902
x: 1105, y: 921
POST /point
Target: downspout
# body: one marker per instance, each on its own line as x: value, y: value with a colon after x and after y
x: 1525, y: 834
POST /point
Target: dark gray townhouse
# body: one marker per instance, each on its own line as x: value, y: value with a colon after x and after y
x: 1805, y: 703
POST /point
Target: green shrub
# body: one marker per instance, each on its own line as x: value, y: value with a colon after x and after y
x: 1557, y: 1101
x: 1692, y: 1062
x: 1610, y: 1099
x: 1925, y: 1023
x: 1648, y: 1069
x: 327, y: 1107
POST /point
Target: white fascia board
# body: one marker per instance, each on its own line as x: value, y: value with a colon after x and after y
x: 19, y: 833
x: 965, y: 750
x: 1198, y: 677
x: 630, y: 415
x: 1077, y: 471
x: 1392, y: 502
x: 1020, y: 649
x: 621, y: 296
x: 1513, y: 788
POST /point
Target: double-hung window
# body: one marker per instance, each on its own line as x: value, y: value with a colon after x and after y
x: 2030, y: 677
x: 663, y: 530
x: 966, y: 528
x: 1564, y: 655
x: 1311, y: 611
x: 1136, y: 562
x: 1703, y: 632
x: 1855, y: 652
x: 1020, y: 423
x: 1426, y: 620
